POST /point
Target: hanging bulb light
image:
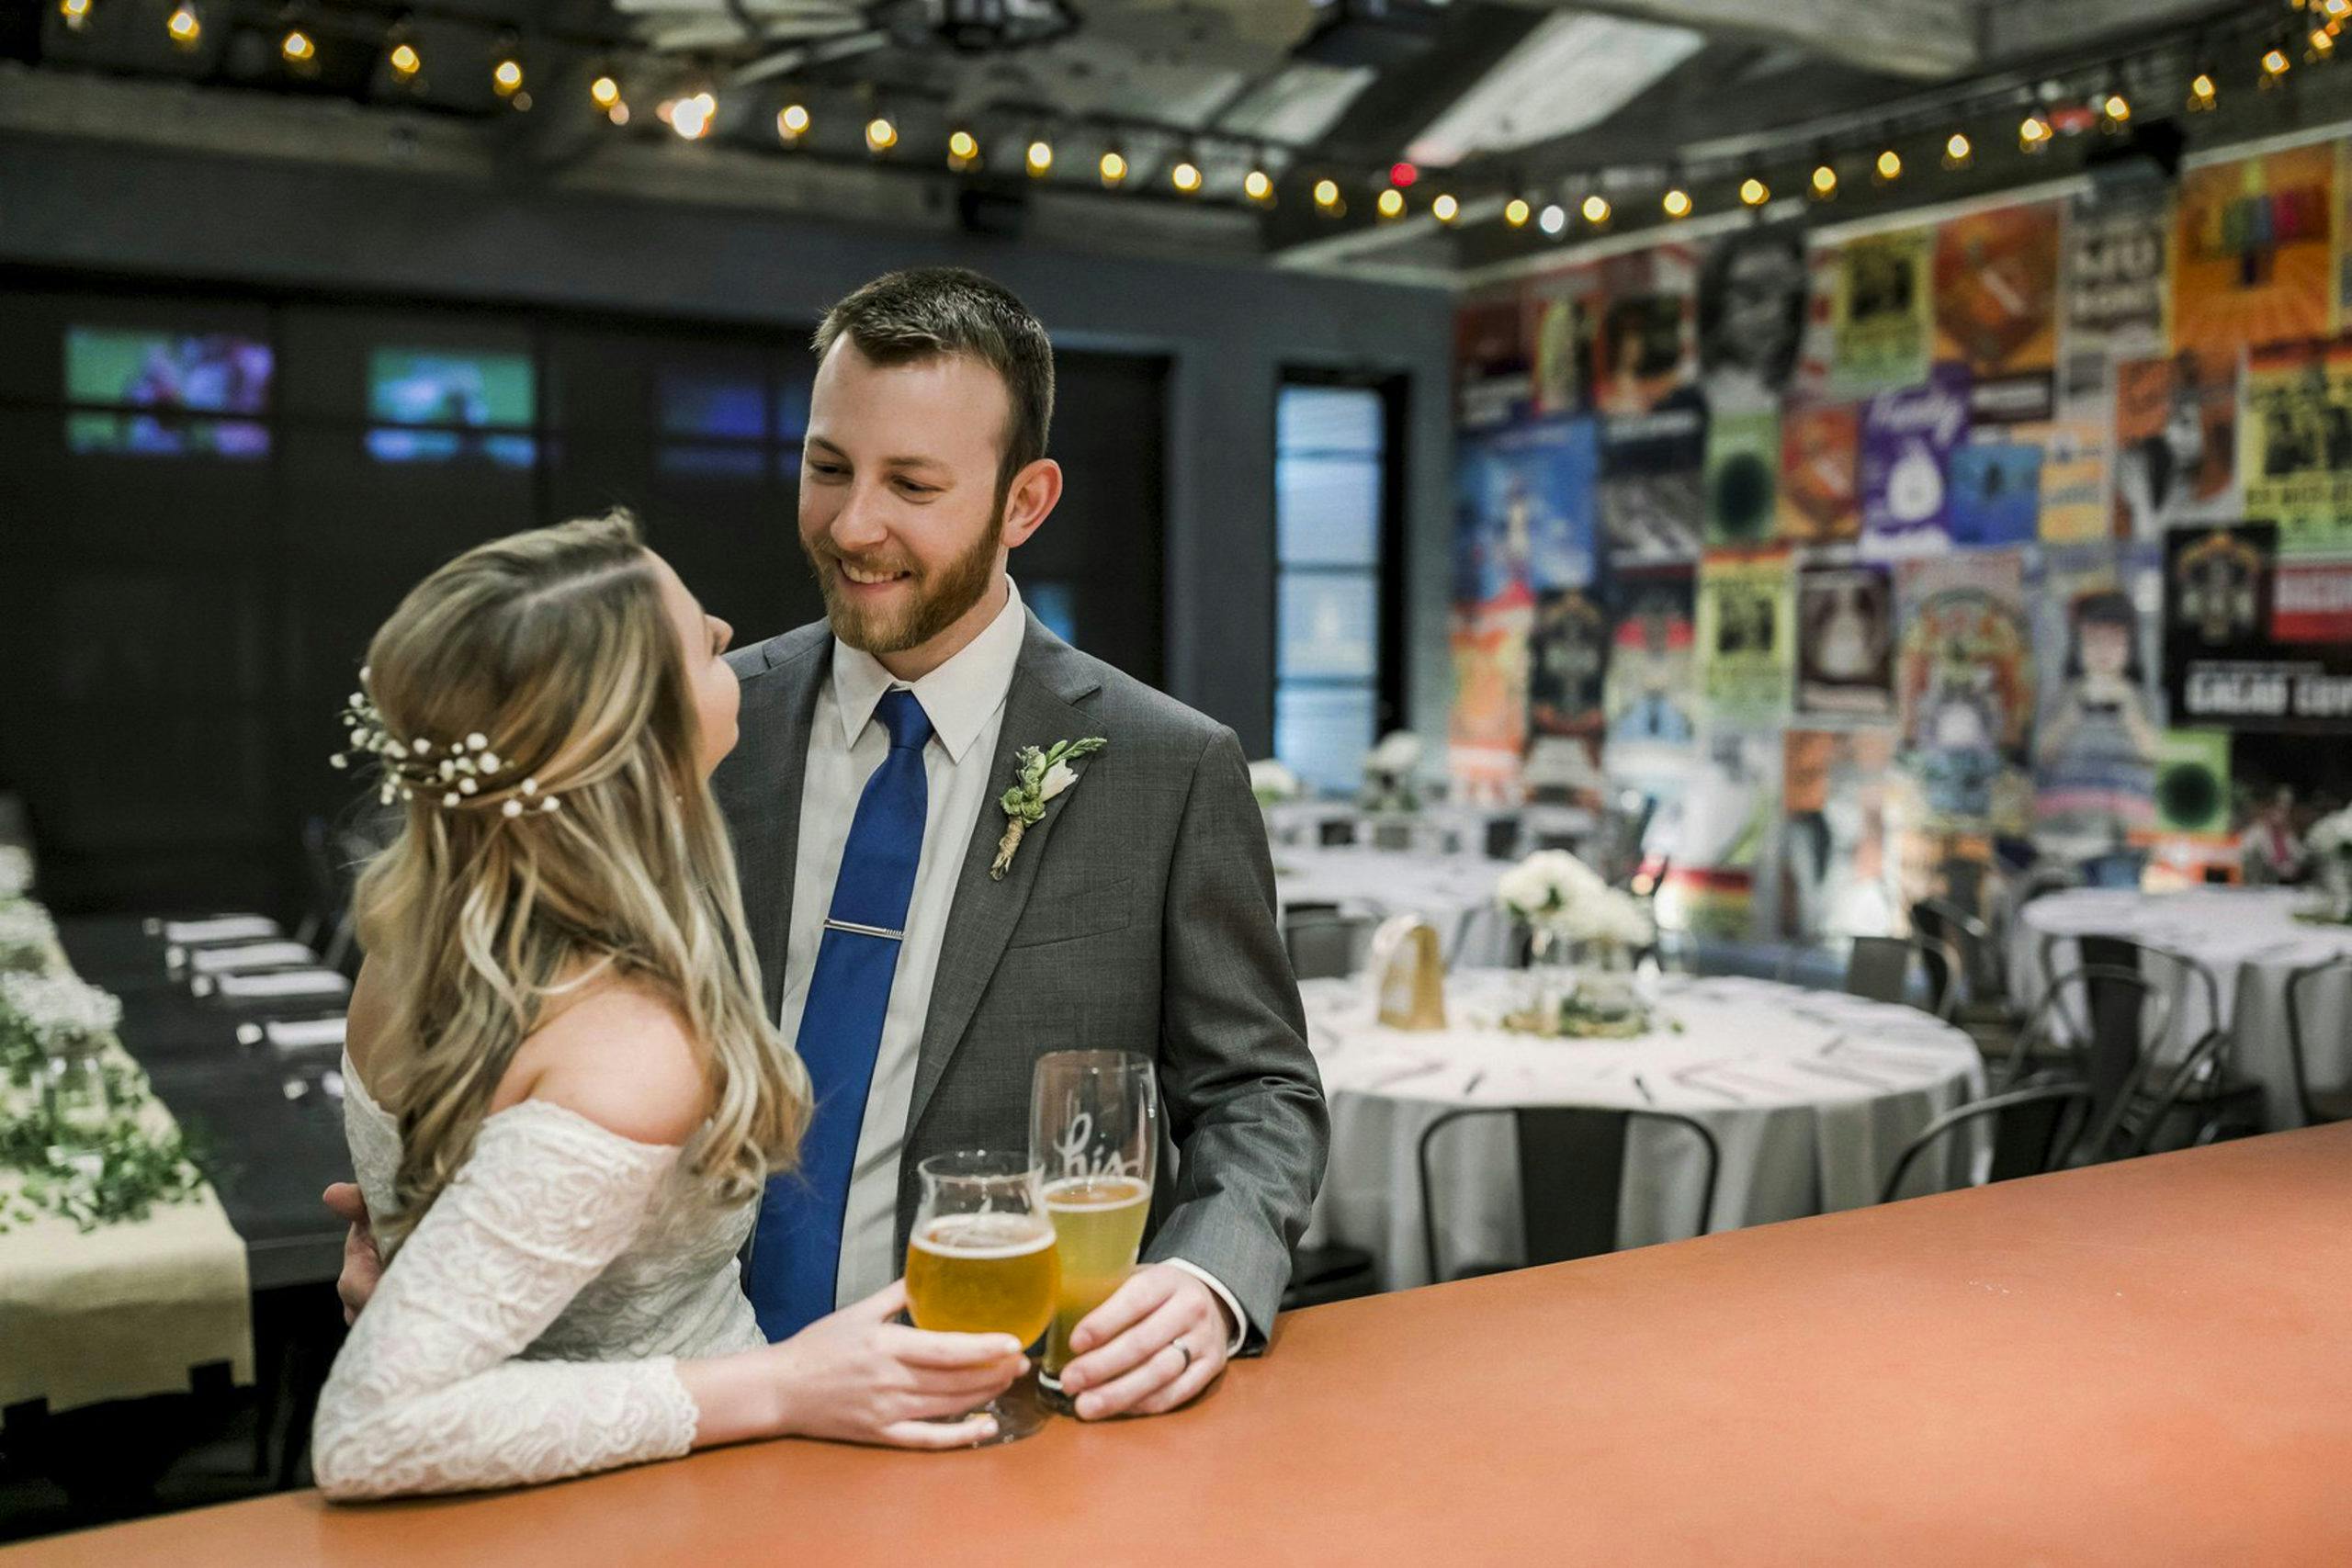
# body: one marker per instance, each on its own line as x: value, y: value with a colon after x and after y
x: 1326, y: 195
x: 1112, y: 167
x: 691, y: 118
x: 1185, y: 177
x: 298, y: 49
x: 1552, y: 219
x: 792, y: 124
x: 2034, y: 132
x: 1959, y: 152
x: 605, y: 91
x: 1391, y: 203
x: 1754, y: 192
x: 1445, y: 209
x: 2203, y: 95
x: 881, y: 135
x: 1516, y: 213
x: 1258, y: 186
x: 963, y: 149
x: 2321, y: 44
x: 76, y: 14
x: 506, y: 76
x: 1676, y: 203
x: 403, y: 58
x: 2114, y: 112
x: 1824, y: 181
x: 1595, y: 210
x: 1038, y: 157
x: 2275, y: 65
x: 185, y: 28
x: 1889, y: 167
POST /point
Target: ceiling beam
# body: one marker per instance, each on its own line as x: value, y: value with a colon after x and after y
x: 1922, y: 40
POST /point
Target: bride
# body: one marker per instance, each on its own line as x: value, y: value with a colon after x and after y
x: 562, y: 1098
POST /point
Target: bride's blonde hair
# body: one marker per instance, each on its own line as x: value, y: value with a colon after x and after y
x: 550, y: 654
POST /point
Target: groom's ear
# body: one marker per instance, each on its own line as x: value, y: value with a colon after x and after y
x: 1029, y: 501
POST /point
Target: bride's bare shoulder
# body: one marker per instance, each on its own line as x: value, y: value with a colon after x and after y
x: 620, y: 1054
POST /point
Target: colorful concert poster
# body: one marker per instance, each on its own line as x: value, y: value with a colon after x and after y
x: 2225, y: 665
x: 1742, y: 474
x: 2295, y: 459
x: 1487, y: 733
x: 1645, y: 350
x: 1747, y: 634
x: 1996, y: 306
x: 1525, y: 510
x: 2253, y: 256
x: 1964, y: 686
x: 1568, y: 655
x: 1908, y: 437
x: 1845, y: 642
x: 2176, y: 443
x: 2118, y: 294
x: 2075, y: 502
x: 2098, y: 730
x: 1837, y: 877
x: 1995, y: 493
x: 1883, y: 321
x: 1650, y: 688
x: 1819, y: 495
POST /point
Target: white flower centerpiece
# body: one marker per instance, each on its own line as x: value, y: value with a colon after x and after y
x: 1569, y: 910
x: 26, y: 935
x: 2330, y: 842
x: 15, y: 871
x: 1388, y: 773
x: 1273, y: 783
x: 55, y: 1026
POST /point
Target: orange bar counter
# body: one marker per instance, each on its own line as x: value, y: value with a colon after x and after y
x: 2142, y: 1363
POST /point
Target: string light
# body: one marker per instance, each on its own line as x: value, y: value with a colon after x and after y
x: 691, y: 118
x: 604, y: 92
x: 880, y: 135
x: 1402, y: 174
x: 1185, y: 177
x: 1889, y: 167
x: 2115, y: 110
x: 1446, y: 209
x: 405, y: 62
x: 963, y: 149
x: 1959, y: 152
x: 1258, y: 186
x: 507, y: 77
x: 1112, y: 167
x: 1326, y: 195
x: 2034, y: 132
x: 1595, y: 210
x: 1391, y: 203
x: 75, y: 13
x: 1825, y: 182
x: 1677, y: 203
x: 2323, y: 44
x: 2202, y: 93
x: 1553, y: 219
x: 1516, y: 213
x: 792, y: 124
x: 1038, y: 157
x: 2274, y: 65
x: 185, y: 26
x: 296, y: 48
x: 1754, y: 192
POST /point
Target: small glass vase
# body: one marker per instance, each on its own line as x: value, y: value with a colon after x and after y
x: 1545, y: 985
x: 1605, y: 982
x: 74, y: 1085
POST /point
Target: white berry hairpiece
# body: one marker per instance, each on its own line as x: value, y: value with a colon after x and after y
x: 463, y: 773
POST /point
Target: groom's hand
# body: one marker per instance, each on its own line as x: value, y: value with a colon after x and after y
x: 1155, y: 1344
x: 361, y: 1266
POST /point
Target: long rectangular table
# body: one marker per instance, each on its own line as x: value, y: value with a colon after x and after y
x: 2139, y: 1363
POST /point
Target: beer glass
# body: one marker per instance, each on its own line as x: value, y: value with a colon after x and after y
x: 980, y: 1261
x: 1094, y: 1132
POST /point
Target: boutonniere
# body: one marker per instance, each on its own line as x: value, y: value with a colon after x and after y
x: 1042, y: 774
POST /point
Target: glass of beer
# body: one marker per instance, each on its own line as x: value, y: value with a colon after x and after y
x: 980, y: 1261
x: 1094, y: 1134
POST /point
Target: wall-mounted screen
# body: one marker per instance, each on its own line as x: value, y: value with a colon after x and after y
x: 153, y: 381
x: 443, y: 404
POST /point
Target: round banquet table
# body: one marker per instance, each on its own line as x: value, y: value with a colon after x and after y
x: 2249, y: 939
x: 1456, y: 892
x: 1810, y: 1094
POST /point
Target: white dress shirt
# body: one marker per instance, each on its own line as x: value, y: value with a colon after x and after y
x: 963, y: 700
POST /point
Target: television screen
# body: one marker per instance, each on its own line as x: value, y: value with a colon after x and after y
x: 153, y: 381
x: 459, y: 399
x: 695, y: 403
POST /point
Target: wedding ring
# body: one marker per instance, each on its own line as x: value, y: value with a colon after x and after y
x: 1184, y: 1351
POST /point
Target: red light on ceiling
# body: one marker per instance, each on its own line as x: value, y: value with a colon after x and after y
x: 1401, y: 174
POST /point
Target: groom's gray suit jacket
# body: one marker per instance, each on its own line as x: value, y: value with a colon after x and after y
x: 1139, y: 915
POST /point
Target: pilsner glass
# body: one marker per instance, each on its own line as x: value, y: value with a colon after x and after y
x: 981, y: 1259
x: 1094, y: 1131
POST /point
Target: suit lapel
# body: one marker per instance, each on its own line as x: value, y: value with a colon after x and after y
x: 773, y: 754
x: 1039, y: 709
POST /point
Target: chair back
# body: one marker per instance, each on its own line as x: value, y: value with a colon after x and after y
x: 1336, y: 833
x: 2034, y: 1129
x: 1981, y: 973
x: 1502, y: 837
x: 2300, y: 986
x: 1326, y: 944
x: 2110, y: 1042
x: 1879, y: 968
x: 1571, y: 1176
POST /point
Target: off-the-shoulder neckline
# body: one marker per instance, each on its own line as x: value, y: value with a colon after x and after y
x: 352, y: 1084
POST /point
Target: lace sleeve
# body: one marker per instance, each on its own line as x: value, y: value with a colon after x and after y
x: 428, y: 1394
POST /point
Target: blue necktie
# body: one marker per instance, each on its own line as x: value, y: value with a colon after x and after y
x: 796, y: 1247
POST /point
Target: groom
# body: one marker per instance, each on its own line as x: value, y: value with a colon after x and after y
x: 920, y: 984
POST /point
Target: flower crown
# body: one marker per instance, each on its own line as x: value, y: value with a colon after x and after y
x: 464, y: 771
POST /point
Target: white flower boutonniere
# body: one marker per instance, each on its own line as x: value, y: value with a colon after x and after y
x: 1043, y: 775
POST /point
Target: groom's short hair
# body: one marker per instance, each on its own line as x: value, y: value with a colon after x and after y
x: 904, y: 318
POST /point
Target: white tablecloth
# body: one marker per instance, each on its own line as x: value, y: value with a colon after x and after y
x: 2251, y: 940
x: 1810, y: 1094
x: 1455, y: 892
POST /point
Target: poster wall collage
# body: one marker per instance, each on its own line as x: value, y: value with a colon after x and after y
x: 1861, y: 557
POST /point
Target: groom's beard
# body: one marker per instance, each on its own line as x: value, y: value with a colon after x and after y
x: 938, y: 600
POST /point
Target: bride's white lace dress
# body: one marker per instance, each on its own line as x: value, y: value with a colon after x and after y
x: 530, y: 1325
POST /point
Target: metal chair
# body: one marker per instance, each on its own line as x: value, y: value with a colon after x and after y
x: 1571, y: 1175
x: 1879, y: 968
x: 2202, y: 1082
x: 1324, y: 943
x: 2320, y: 1105
x: 1979, y: 967
x: 2034, y: 1130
